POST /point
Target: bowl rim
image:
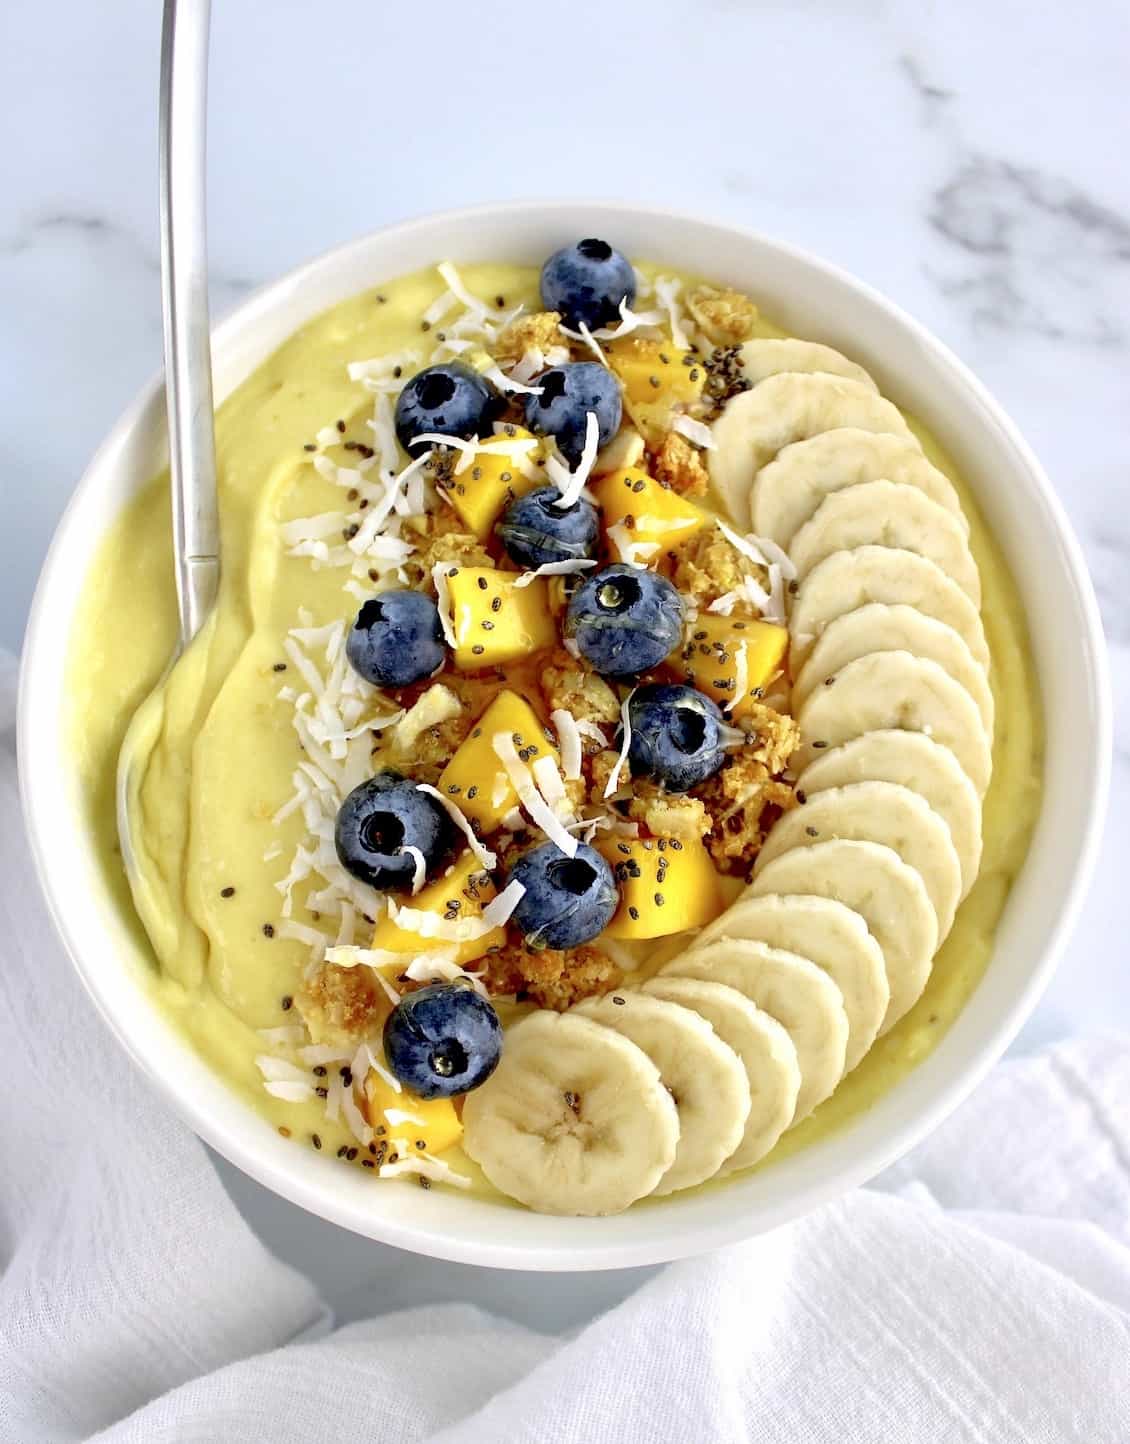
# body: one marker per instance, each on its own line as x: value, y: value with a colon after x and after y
x: 291, y: 1176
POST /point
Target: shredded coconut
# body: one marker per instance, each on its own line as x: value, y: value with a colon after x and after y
x: 667, y: 289
x: 696, y: 432
x: 538, y: 809
x: 614, y: 776
x: 434, y: 968
x: 569, y: 742
x: 633, y: 553
x: 427, y: 1166
x: 484, y: 854
x: 555, y: 569
x: 443, y: 599
x: 571, y: 484
x: 290, y: 1092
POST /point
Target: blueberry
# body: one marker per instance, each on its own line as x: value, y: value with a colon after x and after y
x: 568, y: 900
x: 449, y: 400
x: 442, y: 1040
x: 568, y: 394
x: 625, y: 620
x: 676, y: 736
x: 381, y: 818
x: 397, y: 639
x: 586, y: 282
x: 535, y: 530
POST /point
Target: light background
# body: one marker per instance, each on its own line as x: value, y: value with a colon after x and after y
x: 969, y: 159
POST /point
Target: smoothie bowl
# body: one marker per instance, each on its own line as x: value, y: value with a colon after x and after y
x: 648, y: 748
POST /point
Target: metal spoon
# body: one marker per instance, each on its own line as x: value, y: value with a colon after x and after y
x: 188, y: 358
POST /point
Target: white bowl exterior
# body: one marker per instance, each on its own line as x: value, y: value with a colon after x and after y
x: 814, y: 300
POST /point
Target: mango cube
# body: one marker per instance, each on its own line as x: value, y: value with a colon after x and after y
x: 475, y: 778
x: 402, y: 1120
x: 462, y: 893
x: 658, y: 514
x: 482, y: 492
x: 658, y: 379
x: 666, y: 886
x: 709, y: 656
x: 496, y: 620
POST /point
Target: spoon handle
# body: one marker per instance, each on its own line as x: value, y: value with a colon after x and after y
x: 184, y: 294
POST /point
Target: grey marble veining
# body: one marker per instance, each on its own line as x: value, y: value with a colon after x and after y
x: 969, y: 160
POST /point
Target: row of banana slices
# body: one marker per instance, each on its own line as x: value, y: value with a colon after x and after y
x: 698, y: 1071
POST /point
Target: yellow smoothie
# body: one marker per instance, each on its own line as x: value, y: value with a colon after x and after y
x: 222, y: 749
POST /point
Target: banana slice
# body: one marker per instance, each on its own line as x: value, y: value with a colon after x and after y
x: 895, y: 690
x: 703, y: 1075
x: 767, y: 357
x: 766, y: 1052
x: 756, y: 424
x: 879, y: 628
x: 790, y: 488
x: 880, y: 812
x: 848, y: 580
x: 792, y: 989
x: 574, y: 1120
x: 834, y: 938
x: 889, y: 896
x: 916, y: 761
x: 888, y: 514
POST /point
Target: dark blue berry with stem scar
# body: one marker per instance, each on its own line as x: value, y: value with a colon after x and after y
x: 568, y: 900
x: 625, y: 620
x: 586, y: 282
x: 397, y: 639
x: 383, y: 817
x: 535, y: 530
x: 568, y: 394
x: 676, y: 736
x: 442, y: 1040
x: 447, y: 400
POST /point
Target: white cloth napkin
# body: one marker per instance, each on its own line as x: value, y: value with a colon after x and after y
x: 983, y: 1295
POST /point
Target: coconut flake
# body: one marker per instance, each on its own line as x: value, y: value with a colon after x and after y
x: 555, y: 569
x: 458, y: 289
x: 538, y: 809
x: 775, y: 611
x: 667, y: 289
x: 571, y: 484
x: 300, y: 933
x: 427, y: 1166
x: 377, y: 515
x: 438, y: 704
x: 443, y: 598
x: 614, y: 776
x: 459, y: 818
x: 349, y: 956
x: 290, y: 1092
x: 549, y: 784
x: 569, y: 741
x: 695, y: 431
x: 420, y: 866
x: 439, y: 308
x: 500, y: 379
x: 394, y: 1117
x: 432, y: 925
x: 433, y: 968
x: 498, y: 911
x: 633, y: 553
x: 279, y: 1070
x: 354, y: 1118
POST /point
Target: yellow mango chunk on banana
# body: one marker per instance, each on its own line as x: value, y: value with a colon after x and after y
x: 711, y: 658
x: 666, y: 886
x: 402, y: 1121
x: 495, y: 620
x: 475, y: 778
x: 462, y: 893
x: 646, y: 511
x: 482, y: 492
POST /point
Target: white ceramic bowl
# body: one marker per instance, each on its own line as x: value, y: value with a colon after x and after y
x: 814, y: 300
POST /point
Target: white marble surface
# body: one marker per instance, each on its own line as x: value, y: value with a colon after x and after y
x: 968, y: 159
